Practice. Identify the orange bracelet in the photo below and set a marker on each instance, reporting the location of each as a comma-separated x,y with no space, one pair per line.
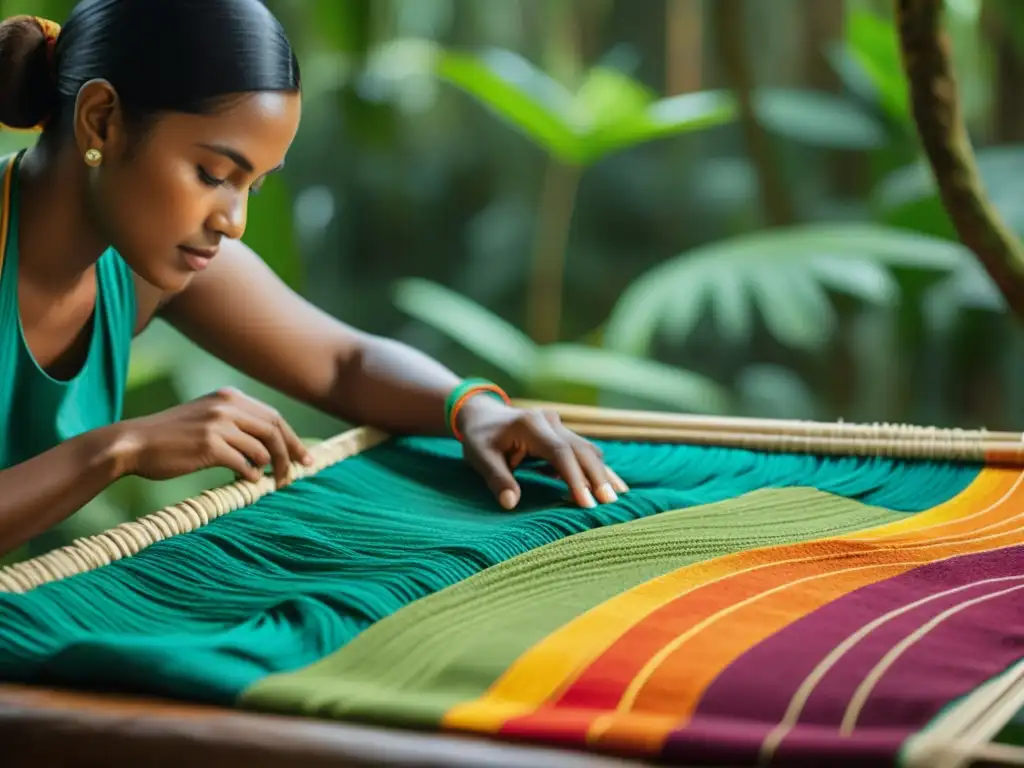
464,392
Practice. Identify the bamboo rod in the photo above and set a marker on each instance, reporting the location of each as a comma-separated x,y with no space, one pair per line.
736,424
934,448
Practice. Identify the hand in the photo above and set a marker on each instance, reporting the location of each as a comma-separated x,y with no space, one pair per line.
496,438
224,429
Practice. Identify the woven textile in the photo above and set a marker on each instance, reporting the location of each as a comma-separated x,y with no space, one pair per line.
735,606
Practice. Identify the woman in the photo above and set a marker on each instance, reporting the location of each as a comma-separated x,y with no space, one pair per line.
159,119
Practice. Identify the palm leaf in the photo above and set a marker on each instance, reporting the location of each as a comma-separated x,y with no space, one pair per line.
780,272
613,372
464,321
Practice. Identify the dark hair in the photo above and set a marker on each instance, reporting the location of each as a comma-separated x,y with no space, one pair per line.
159,55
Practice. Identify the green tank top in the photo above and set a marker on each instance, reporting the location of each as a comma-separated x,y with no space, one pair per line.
37,411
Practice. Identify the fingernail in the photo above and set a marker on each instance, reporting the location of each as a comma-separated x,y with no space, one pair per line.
588,499
507,499
606,494
620,484
307,460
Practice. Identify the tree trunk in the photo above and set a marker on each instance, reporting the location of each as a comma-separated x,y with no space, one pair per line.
940,126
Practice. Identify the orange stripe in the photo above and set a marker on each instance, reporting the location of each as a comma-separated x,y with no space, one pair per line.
550,666
675,679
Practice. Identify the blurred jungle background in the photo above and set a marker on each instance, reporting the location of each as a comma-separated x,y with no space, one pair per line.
565,196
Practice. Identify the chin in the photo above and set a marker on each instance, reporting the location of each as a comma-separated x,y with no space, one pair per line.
168,277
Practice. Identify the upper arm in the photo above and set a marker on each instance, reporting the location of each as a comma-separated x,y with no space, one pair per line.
241,312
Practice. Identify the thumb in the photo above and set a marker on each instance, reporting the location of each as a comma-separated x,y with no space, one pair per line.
496,473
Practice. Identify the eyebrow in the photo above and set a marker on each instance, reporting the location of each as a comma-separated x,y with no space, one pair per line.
237,157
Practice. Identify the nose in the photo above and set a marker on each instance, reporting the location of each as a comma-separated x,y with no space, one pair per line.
229,219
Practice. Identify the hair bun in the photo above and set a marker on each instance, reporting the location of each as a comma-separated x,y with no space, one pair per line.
27,84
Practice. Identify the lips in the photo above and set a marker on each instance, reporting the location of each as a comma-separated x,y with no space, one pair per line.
198,259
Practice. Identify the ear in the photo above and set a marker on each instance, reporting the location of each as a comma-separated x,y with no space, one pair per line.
98,121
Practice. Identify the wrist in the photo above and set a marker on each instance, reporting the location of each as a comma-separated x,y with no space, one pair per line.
115,452
479,406
476,396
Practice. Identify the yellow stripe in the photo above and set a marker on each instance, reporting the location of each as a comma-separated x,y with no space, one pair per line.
545,669
990,483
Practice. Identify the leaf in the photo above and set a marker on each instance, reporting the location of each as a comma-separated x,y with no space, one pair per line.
466,322
681,317
770,391
610,111
728,295
674,388
865,280
662,119
912,188
969,288
518,92
271,231
819,119
607,98
735,272
873,44
794,306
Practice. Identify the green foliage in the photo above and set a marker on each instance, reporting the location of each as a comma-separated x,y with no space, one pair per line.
818,118
610,111
784,273
907,197
535,369
270,231
872,46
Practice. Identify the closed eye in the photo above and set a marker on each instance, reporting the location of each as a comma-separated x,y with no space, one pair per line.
207,178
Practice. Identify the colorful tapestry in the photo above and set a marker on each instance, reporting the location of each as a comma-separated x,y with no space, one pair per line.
734,608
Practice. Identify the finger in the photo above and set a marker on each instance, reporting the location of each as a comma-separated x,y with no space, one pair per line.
250,447
555,421
591,458
270,435
516,457
230,458
494,468
551,447
594,469
617,482
297,450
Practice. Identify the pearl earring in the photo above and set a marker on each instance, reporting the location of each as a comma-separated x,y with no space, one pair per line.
93,157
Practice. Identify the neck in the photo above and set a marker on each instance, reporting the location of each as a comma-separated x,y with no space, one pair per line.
58,241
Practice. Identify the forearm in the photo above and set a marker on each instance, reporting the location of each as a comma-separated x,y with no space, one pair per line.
391,386
45,490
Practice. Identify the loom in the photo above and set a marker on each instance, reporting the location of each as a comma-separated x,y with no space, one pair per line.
768,593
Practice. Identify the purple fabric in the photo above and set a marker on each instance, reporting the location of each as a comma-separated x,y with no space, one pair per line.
723,741
966,649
